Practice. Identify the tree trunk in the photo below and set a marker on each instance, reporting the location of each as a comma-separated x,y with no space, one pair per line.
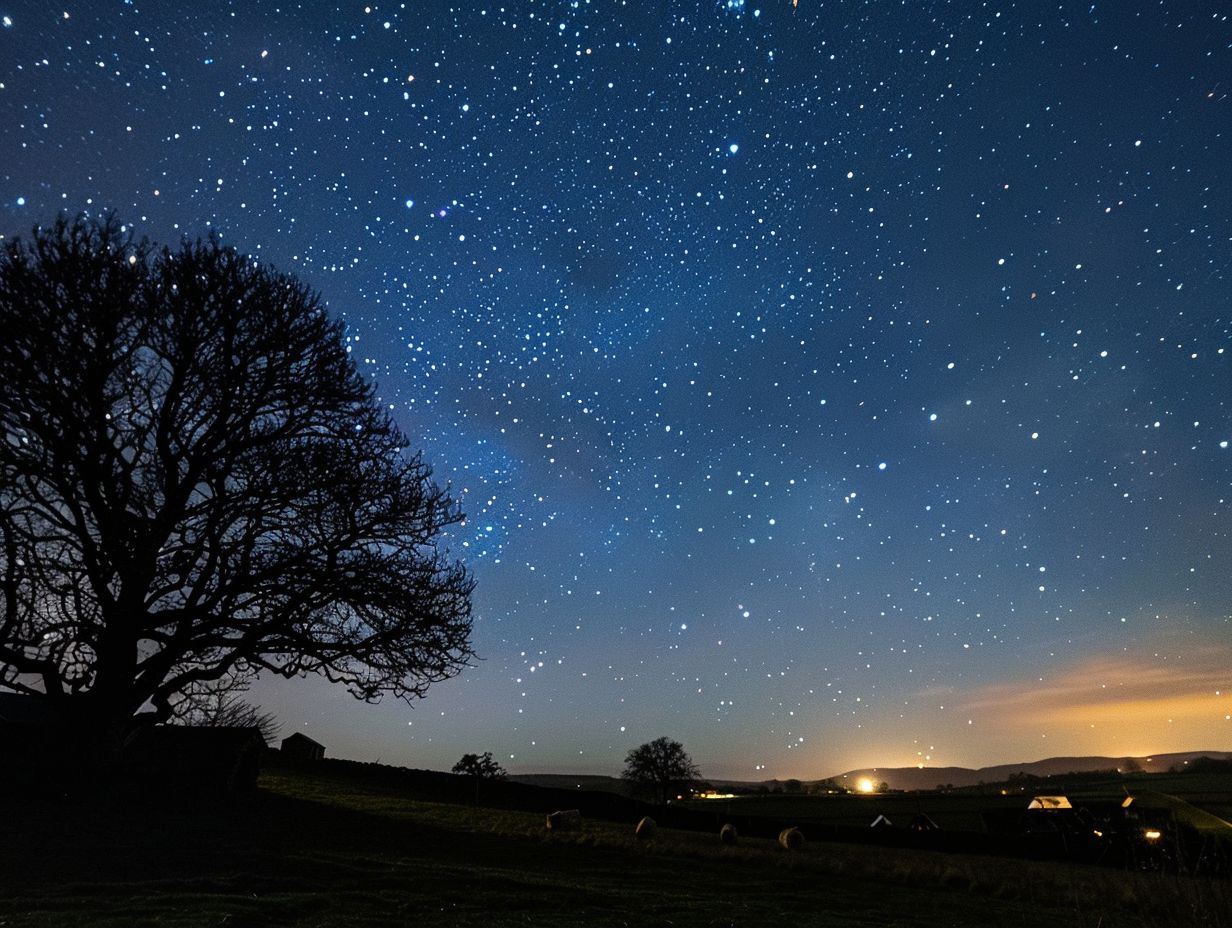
92,739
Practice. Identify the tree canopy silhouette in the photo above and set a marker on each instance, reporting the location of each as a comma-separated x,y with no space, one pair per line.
662,766
483,766
197,482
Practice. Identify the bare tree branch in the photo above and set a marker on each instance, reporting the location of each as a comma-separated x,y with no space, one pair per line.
196,481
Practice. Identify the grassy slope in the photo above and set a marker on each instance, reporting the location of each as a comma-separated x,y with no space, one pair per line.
324,851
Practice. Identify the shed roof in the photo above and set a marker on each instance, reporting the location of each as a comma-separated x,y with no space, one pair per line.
299,737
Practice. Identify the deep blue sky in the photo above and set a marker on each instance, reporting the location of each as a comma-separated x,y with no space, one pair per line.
827,385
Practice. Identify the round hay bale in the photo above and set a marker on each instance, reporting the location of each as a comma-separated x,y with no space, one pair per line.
646,828
728,835
791,839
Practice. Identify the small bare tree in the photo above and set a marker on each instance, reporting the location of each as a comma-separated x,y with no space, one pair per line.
661,766
482,766
221,704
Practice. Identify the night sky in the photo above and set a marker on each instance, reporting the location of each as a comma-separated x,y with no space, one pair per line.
827,385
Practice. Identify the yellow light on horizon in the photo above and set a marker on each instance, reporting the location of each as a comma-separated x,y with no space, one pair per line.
865,785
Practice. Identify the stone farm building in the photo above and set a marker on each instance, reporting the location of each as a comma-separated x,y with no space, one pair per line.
301,747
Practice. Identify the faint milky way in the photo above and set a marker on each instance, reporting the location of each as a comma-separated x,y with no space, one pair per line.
826,384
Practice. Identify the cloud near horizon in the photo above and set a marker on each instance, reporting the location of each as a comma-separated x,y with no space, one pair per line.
1135,702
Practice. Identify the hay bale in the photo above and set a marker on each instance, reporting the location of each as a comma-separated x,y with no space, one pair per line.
728,835
646,827
564,820
791,839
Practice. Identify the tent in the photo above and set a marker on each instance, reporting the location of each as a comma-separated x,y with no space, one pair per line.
1049,803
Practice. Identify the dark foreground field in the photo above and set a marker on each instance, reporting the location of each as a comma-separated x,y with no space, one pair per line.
312,850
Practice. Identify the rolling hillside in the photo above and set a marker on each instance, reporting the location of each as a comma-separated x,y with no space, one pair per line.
912,778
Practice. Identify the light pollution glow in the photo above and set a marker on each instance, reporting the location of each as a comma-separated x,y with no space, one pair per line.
1114,705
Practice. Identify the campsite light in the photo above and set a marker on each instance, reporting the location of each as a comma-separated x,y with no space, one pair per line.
1152,834
865,785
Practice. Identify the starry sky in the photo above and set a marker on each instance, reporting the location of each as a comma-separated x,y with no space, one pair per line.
827,384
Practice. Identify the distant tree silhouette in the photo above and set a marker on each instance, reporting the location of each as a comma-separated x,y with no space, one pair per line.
196,482
1204,764
661,766
482,766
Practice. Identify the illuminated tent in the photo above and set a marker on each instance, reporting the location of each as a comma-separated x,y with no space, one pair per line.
923,823
1049,803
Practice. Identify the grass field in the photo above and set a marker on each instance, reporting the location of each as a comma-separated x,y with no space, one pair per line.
958,812
326,850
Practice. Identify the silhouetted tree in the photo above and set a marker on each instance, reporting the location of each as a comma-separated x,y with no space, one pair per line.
196,481
830,785
481,766
661,766
220,704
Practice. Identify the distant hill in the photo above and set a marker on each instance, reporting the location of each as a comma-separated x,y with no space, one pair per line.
907,778
932,777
